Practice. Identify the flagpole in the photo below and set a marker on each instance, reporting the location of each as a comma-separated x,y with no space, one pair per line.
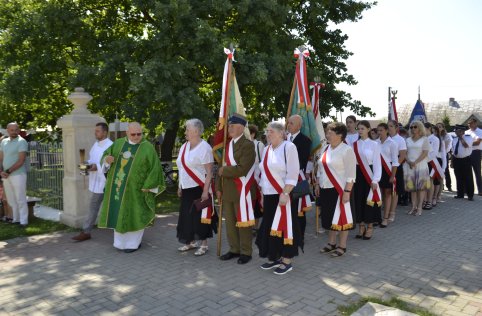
225,136
389,105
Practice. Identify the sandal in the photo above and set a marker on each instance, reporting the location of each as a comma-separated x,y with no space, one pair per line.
328,248
428,206
201,251
187,247
369,229
419,213
412,211
338,253
385,219
391,218
362,232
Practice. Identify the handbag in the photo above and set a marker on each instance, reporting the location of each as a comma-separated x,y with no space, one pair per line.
301,189
200,205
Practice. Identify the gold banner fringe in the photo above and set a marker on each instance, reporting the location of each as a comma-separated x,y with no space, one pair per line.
276,233
288,241
341,227
245,224
205,221
336,227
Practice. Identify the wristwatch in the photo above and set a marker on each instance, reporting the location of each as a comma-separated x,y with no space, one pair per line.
7,171
347,190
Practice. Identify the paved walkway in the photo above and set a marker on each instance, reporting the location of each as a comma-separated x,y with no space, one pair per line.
433,261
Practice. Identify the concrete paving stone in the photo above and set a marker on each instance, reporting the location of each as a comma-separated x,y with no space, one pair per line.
430,265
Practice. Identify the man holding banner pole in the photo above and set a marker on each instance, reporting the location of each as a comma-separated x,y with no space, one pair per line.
235,190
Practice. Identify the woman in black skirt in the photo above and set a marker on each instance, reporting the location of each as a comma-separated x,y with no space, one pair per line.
279,235
336,175
368,172
389,155
195,162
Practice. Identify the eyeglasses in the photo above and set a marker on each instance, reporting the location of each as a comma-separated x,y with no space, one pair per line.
412,127
136,134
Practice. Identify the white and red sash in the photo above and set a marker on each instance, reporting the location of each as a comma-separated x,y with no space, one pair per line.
257,178
282,223
437,171
245,216
374,195
387,166
199,178
342,219
304,203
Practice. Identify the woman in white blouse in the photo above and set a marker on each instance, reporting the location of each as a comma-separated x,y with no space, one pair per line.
336,175
437,150
389,153
415,170
447,141
279,235
195,162
441,156
352,134
367,193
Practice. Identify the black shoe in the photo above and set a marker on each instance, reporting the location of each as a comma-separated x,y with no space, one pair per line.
458,197
132,250
470,198
243,259
229,256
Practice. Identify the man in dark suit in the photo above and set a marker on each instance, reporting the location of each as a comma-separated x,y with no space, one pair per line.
303,145
228,191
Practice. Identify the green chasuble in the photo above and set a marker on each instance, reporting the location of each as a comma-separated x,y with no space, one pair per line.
126,208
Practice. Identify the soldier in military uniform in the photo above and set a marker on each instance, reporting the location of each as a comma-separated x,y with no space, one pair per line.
235,186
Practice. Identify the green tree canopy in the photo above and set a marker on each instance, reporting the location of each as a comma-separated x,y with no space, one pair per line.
159,61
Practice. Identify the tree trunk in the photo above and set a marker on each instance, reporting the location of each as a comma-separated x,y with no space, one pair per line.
169,142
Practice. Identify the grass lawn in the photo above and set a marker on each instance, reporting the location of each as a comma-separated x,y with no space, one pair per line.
166,203
35,226
393,302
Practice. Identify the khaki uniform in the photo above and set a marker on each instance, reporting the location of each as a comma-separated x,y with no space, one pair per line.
239,238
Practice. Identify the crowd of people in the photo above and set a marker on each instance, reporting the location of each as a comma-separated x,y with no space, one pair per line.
357,179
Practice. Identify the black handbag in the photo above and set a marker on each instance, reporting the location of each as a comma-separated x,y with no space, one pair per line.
200,205
301,189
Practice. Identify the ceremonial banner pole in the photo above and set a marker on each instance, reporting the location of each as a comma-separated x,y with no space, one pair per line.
224,110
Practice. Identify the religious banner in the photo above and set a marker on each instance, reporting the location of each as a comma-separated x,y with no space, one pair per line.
231,102
418,113
315,102
300,101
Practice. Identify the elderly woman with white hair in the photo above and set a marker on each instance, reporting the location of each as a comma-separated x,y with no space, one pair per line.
195,162
279,235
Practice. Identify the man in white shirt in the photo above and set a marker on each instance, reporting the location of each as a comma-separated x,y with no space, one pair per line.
96,179
462,149
476,134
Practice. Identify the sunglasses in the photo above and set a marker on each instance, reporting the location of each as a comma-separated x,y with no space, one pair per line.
136,134
412,127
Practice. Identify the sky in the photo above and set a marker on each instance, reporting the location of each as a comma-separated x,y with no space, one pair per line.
403,44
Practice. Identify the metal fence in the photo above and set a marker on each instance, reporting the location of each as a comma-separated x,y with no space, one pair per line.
44,177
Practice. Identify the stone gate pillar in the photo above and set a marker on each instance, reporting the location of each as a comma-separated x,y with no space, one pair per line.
77,134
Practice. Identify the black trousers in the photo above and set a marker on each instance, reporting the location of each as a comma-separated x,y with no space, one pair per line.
463,175
475,161
448,179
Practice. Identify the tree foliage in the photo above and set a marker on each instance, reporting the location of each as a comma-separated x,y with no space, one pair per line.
160,61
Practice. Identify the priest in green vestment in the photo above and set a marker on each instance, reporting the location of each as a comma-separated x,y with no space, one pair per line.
134,179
